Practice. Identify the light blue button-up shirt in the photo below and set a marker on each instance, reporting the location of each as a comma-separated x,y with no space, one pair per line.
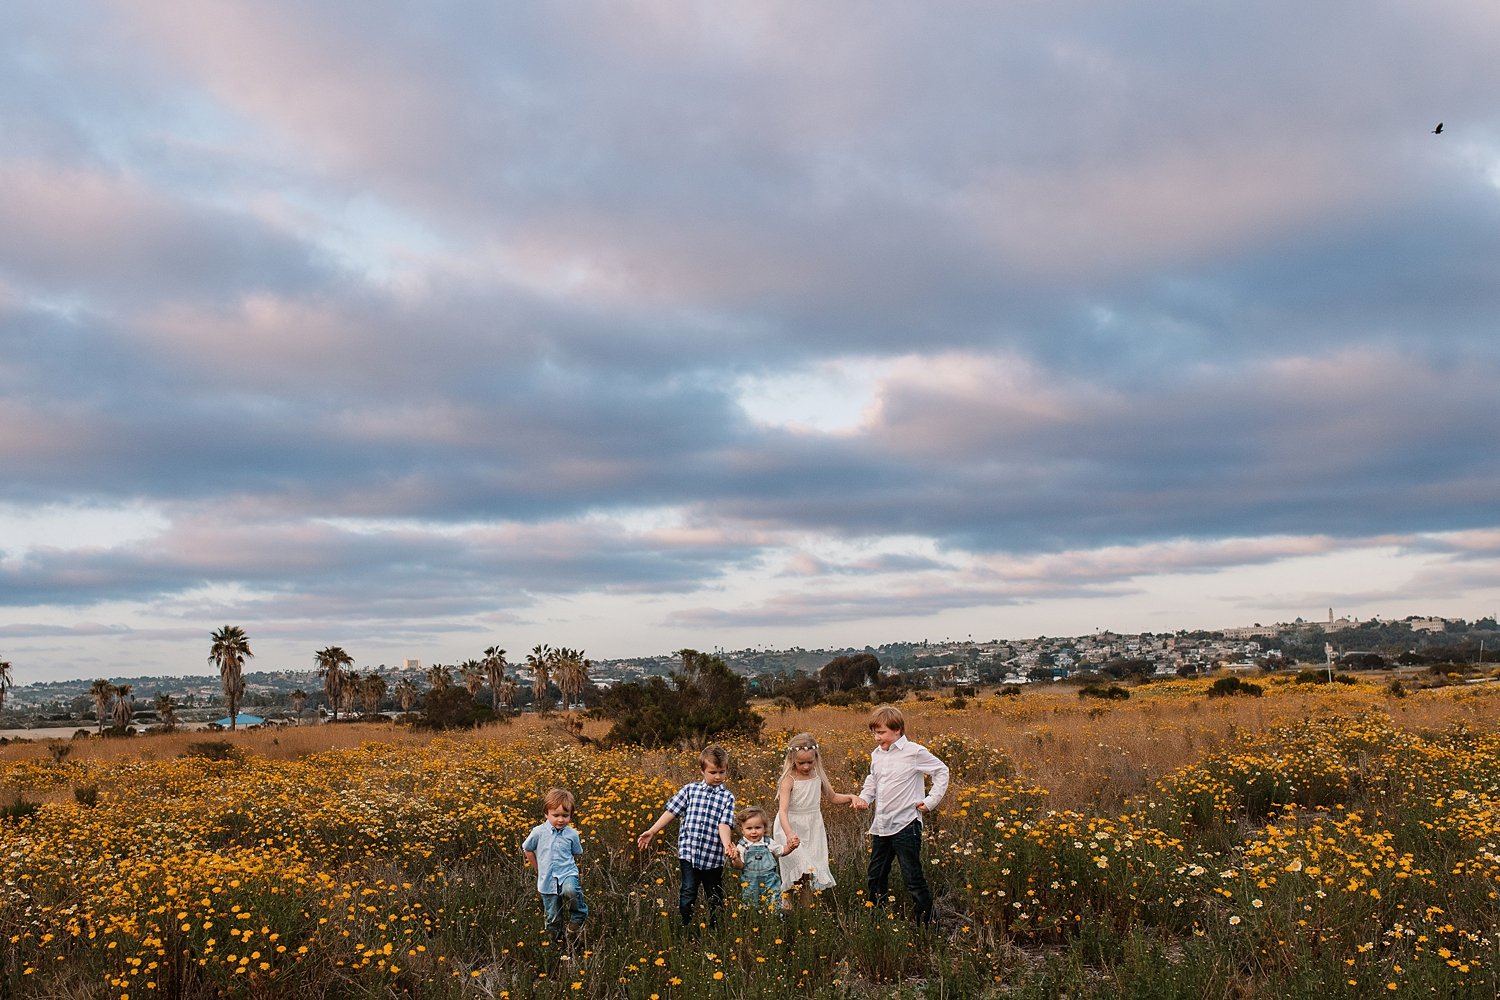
555,852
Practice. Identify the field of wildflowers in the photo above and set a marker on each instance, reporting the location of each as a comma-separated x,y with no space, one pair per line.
1333,843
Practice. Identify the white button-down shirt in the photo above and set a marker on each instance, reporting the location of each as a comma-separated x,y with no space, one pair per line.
897,783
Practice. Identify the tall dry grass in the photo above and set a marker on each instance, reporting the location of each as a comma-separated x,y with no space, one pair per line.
1095,755
1086,753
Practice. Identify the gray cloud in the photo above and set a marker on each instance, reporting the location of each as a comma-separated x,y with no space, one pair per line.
491,278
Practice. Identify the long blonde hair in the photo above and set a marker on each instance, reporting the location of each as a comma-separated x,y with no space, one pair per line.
804,743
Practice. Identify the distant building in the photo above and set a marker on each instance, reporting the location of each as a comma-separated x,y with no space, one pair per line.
411,664
1252,632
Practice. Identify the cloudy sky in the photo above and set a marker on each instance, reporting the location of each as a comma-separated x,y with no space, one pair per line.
418,328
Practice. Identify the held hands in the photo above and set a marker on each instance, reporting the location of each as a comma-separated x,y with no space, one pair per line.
858,804
791,843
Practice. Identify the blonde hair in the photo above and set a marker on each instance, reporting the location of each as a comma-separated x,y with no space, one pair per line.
804,743
890,717
556,797
753,812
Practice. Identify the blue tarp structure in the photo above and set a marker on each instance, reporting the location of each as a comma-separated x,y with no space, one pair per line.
241,719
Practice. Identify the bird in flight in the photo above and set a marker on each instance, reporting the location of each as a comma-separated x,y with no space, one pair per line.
1438,130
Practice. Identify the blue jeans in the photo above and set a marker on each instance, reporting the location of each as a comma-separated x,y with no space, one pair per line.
566,902
904,847
711,880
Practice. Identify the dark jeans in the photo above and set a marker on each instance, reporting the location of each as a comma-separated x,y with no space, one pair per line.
711,880
905,848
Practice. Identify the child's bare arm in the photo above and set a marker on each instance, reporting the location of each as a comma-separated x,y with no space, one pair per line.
531,859
726,837
644,840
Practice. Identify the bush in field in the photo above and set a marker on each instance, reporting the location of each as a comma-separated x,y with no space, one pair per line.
214,750
451,708
1314,676
705,701
1227,686
1112,692
849,673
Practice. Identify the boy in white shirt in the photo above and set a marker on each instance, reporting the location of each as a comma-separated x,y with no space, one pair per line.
898,791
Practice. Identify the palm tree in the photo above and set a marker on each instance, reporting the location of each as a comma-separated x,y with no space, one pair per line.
166,710
371,690
349,693
539,661
123,708
229,650
298,699
572,675
439,677
102,691
494,668
5,680
472,671
331,663
406,694
507,693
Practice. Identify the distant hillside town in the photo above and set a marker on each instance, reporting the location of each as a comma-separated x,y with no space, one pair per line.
300,695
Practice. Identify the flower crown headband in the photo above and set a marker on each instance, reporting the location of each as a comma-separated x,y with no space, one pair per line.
793,748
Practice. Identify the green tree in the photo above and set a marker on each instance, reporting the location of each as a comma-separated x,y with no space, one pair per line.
102,692
705,700
331,662
124,707
299,699
166,710
449,707
406,694
572,675
846,673
494,668
371,690
230,648
472,672
539,661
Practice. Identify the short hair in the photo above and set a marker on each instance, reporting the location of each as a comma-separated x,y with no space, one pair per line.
715,755
890,717
750,812
557,797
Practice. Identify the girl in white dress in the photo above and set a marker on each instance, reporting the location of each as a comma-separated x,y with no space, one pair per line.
799,820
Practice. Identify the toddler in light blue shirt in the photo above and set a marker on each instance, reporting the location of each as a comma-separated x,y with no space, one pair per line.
553,849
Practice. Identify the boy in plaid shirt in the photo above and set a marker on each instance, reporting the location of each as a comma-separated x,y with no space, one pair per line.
706,836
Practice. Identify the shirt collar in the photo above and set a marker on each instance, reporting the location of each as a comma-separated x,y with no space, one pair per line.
899,744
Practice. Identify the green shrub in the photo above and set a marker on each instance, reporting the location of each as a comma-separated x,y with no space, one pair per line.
1227,686
705,701
214,750
1112,692
19,809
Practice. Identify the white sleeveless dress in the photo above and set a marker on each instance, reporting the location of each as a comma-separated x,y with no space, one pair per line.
805,811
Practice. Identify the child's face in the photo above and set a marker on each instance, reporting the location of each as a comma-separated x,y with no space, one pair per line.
884,735
714,775
559,816
803,761
753,828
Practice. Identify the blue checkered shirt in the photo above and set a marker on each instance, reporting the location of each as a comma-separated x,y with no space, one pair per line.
700,808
